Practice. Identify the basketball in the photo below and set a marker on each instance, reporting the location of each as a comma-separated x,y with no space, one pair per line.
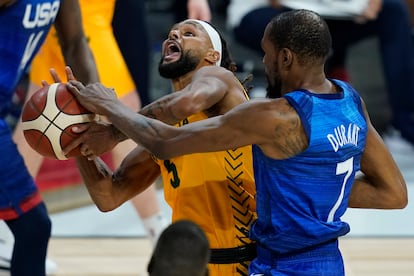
47,119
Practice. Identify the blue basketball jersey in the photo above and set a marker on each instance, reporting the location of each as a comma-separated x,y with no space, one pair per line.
23,28
300,200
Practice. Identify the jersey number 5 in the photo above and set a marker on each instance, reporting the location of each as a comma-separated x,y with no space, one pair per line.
171,168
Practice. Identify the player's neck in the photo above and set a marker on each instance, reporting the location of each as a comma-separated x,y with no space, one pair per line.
183,81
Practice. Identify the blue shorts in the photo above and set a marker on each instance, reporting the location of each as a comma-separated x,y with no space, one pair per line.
324,260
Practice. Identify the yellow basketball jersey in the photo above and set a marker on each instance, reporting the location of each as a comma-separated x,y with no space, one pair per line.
215,190
97,19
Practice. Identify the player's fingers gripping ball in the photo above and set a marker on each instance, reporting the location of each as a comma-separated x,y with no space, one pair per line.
47,119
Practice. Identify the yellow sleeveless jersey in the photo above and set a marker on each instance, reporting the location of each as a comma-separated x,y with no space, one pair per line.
215,190
97,20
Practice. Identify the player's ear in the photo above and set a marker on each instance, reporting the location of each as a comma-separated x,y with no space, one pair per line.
213,56
286,57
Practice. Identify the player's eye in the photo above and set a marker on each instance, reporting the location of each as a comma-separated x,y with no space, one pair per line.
189,34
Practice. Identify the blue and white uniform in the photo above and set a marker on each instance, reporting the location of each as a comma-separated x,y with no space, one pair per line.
23,28
300,200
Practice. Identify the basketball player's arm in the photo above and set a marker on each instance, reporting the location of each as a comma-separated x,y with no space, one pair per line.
208,87
381,184
108,189
75,48
6,3
253,122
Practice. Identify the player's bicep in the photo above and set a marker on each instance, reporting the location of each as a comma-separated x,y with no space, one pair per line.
200,95
236,128
196,97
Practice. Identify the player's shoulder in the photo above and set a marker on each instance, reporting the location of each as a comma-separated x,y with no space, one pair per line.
212,70
218,73
265,104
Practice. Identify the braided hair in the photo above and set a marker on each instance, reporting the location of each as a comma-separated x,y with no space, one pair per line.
228,62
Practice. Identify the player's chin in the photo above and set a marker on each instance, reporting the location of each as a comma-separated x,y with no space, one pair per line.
171,59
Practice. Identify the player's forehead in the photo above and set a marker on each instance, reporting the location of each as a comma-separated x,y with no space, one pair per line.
188,24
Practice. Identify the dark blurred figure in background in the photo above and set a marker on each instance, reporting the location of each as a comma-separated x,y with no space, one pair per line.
388,20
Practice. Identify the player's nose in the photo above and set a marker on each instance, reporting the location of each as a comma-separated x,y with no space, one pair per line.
173,34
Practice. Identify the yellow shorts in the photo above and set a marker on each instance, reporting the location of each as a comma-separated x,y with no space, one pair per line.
228,269
112,69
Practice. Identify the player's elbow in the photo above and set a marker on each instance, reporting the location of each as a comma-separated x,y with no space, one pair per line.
160,146
161,151
105,209
397,202
404,203
398,197
105,206
401,201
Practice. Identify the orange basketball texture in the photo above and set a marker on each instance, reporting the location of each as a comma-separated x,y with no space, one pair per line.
47,119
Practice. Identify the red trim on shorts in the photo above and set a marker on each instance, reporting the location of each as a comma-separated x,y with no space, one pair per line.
25,206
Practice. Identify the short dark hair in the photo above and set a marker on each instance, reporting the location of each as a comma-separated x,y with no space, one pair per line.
182,250
303,32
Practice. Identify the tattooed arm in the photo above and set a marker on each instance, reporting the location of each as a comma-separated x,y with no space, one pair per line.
209,89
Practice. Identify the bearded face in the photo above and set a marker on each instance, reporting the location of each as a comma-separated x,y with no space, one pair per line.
273,91
185,64
274,84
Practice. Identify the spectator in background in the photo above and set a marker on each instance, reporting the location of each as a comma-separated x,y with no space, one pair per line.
193,9
134,43
390,23
386,19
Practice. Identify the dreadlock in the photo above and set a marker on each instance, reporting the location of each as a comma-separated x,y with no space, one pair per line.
228,62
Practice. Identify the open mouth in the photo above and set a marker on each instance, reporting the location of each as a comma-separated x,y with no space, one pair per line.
172,51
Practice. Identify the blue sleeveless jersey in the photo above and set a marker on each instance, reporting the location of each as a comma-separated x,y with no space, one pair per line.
300,200
23,28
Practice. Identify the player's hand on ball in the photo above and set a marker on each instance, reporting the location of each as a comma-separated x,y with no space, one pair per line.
94,97
94,139
48,117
